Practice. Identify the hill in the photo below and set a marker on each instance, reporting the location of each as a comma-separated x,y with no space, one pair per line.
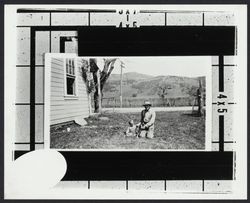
136,85
129,76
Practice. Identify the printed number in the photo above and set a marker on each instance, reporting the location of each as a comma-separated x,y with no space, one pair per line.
221,96
219,103
222,110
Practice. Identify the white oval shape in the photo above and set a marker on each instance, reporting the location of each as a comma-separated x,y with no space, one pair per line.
38,170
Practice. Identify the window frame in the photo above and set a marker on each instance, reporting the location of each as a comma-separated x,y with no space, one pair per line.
66,95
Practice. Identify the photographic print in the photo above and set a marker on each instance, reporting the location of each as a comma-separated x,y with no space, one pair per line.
120,103
125,101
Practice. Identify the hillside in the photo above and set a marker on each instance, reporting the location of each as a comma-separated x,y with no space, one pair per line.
129,76
136,85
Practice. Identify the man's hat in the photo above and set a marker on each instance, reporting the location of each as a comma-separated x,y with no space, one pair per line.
147,103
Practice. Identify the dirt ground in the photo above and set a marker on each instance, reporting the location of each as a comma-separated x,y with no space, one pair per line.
173,130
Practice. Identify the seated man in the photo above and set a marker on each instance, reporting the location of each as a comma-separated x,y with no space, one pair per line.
146,125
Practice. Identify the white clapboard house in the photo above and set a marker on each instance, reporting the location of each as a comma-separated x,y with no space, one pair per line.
66,94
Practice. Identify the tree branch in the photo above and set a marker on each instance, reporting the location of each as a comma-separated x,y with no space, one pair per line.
105,76
106,66
93,65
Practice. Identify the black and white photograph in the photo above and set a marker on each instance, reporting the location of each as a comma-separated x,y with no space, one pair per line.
131,103
128,101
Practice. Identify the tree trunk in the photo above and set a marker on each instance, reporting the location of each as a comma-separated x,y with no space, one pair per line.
100,79
97,94
96,102
199,113
89,101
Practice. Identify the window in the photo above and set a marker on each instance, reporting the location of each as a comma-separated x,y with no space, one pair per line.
70,77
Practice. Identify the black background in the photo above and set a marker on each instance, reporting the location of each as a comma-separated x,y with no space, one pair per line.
156,41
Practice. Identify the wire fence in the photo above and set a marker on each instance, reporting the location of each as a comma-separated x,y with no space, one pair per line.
113,102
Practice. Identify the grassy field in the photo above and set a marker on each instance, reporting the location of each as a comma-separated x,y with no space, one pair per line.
173,130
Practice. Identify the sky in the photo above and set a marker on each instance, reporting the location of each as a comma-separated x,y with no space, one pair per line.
186,66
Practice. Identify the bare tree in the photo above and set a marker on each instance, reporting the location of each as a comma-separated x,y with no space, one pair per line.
162,91
100,78
196,92
192,91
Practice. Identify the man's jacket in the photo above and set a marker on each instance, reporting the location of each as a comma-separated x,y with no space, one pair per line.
147,117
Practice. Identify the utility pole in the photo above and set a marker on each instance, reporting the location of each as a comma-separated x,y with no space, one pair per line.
99,92
122,66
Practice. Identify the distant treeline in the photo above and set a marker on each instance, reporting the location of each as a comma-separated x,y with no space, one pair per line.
157,102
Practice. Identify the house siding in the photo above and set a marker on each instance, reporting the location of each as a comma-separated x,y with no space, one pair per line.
63,109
